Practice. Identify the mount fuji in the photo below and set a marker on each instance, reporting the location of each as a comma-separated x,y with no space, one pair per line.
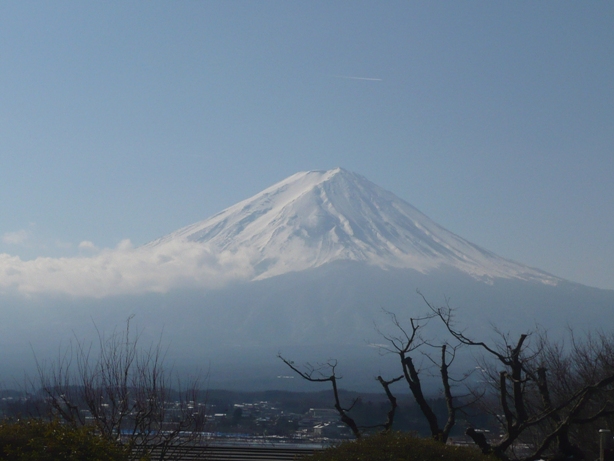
314,218
309,263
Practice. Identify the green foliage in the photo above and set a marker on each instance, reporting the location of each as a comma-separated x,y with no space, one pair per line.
35,439
397,446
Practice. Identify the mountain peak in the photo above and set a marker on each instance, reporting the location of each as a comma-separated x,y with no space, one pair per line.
316,217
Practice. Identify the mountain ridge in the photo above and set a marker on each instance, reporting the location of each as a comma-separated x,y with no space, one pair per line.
315,217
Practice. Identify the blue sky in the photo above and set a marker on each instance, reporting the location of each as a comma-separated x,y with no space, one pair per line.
128,120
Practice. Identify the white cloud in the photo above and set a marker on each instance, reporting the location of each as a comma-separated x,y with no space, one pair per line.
87,245
19,237
123,270
124,245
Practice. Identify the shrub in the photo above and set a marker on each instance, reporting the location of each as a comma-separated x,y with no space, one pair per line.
396,446
35,439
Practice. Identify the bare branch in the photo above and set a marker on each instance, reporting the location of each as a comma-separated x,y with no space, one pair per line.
332,378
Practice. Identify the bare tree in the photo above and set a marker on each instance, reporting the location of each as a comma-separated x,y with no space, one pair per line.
549,397
581,364
318,375
125,391
545,391
403,344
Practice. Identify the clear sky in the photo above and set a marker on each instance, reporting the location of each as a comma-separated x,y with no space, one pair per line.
130,119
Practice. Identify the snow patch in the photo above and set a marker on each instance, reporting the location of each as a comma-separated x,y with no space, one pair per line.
317,217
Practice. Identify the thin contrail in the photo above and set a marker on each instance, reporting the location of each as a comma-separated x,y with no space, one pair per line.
359,78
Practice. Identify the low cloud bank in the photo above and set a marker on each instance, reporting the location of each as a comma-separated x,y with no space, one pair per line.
124,270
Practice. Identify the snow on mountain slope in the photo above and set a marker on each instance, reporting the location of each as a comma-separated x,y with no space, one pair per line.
316,217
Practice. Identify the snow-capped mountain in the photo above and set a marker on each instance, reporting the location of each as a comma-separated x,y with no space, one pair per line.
304,268
317,217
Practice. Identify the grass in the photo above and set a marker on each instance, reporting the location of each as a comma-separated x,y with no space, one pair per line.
397,446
